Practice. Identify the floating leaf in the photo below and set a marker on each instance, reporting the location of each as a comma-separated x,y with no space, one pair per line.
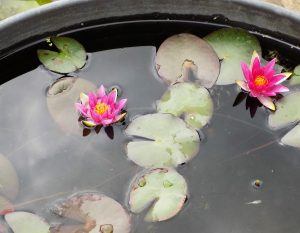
183,54
164,190
233,46
190,100
98,213
295,79
9,182
292,138
61,98
12,7
5,206
71,55
168,141
23,222
287,113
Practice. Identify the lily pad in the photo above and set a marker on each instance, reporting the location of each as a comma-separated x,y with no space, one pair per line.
24,222
70,57
181,55
233,46
163,189
287,113
292,138
9,182
98,213
167,141
190,100
61,98
295,79
12,7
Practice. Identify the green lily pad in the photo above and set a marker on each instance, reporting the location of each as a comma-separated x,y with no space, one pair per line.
233,46
168,141
295,79
5,206
98,214
9,182
42,2
191,101
12,7
61,98
181,55
292,138
287,113
70,57
163,189
23,222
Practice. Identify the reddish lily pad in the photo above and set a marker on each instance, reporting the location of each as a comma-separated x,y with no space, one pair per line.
61,99
70,57
292,138
233,46
9,182
180,55
287,113
163,189
98,213
24,222
190,100
168,141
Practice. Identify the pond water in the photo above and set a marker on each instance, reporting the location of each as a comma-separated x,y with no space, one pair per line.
53,160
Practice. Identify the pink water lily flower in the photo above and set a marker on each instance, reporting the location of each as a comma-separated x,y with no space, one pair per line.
262,82
100,108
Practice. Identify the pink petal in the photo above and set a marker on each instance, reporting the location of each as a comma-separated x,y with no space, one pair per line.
279,89
277,79
121,104
83,98
96,117
106,122
243,85
112,96
267,102
269,67
255,59
101,91
246,72
92,99
81,108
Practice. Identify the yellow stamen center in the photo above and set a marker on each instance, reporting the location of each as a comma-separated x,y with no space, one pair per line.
101,108
260,81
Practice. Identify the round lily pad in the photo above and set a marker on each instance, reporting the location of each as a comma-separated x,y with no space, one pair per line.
295,79
98,213
167,141
9,182
24,222
233,46
184,55
190,100
163,189
12,7
287,113
70,57
61,98
292,138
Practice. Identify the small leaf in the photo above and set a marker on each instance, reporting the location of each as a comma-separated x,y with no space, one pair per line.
184,55
168,141
23,222
71,55
233,46
190,100
86,132
165,191
109,130
240,98
98,129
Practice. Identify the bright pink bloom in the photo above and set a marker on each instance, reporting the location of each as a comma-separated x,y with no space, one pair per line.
100,108
262,82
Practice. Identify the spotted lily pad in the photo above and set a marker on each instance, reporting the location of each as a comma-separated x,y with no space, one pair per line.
70,57
233,46
287,113
9,182
295,79
61,98
167,141
190,100
23,222
98,213
163,189
181,55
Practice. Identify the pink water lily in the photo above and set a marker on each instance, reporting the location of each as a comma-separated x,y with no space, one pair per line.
100,108
262,82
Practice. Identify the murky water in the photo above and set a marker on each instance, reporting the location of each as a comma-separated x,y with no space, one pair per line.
53,163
